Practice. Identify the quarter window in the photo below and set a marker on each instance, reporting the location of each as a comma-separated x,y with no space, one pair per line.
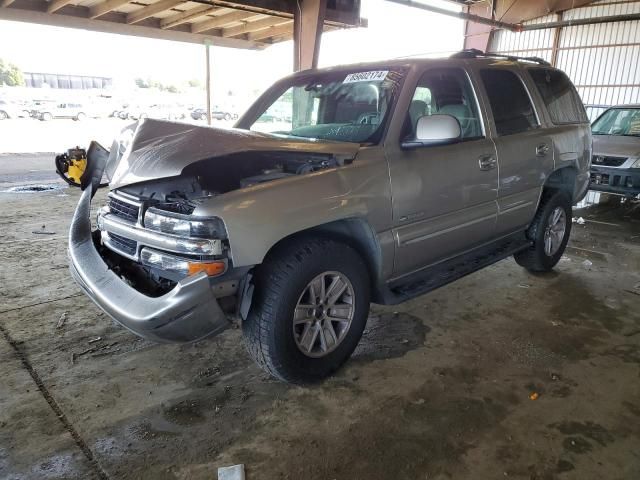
445,91
512,108
559,95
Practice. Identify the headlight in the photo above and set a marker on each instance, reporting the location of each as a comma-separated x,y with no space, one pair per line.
636,164
183,225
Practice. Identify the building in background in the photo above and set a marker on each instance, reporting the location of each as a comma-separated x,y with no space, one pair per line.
67,82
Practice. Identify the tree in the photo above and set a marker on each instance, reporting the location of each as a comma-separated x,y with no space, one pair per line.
10,75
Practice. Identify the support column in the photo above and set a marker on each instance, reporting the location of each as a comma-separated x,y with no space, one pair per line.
556,42
207,46
478,35
308,21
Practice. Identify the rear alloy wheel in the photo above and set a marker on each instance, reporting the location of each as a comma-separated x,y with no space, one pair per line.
227,116
549,233
81,116
3,115
309,308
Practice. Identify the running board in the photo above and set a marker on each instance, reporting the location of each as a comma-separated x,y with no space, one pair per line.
436,276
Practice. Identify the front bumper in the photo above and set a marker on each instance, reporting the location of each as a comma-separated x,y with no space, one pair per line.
187,313
621,181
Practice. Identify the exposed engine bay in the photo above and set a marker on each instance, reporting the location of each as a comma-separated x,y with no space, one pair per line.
212,177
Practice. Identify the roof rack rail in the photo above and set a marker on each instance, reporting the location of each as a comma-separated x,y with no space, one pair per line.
475,53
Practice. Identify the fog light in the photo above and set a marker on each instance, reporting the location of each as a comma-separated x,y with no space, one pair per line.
184,266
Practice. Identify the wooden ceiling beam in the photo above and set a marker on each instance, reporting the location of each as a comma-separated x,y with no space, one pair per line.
151,10
254,26
190,15
56,5
105,7
280,30
221,21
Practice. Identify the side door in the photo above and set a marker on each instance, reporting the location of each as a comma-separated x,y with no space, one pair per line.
444,197
525,148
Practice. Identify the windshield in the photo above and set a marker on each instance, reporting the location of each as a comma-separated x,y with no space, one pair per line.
346,107
618,121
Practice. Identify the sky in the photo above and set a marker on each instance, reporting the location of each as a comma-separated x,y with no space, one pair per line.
393,31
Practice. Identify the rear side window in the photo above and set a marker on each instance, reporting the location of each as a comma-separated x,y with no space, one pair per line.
510,102
559,95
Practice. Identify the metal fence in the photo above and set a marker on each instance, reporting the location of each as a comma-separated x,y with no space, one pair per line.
602,60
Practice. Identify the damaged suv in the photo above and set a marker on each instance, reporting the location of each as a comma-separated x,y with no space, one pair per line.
339,187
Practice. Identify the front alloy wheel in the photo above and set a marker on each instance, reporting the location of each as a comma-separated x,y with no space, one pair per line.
323,314
309,308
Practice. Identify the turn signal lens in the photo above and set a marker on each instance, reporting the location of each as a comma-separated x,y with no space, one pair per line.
181,265
210,268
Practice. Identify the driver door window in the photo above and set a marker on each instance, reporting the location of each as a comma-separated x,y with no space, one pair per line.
445,91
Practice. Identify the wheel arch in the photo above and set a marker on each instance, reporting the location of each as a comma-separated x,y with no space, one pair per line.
354,232
563,179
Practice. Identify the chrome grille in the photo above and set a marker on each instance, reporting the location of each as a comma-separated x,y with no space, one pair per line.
123,209
125,245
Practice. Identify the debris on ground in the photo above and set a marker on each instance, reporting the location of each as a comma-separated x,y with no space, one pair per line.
234,472
579,220
94,340
61,320
524,285
533,396
97,351
587,263
43,231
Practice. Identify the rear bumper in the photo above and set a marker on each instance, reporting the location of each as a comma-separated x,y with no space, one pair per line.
187,313
621,181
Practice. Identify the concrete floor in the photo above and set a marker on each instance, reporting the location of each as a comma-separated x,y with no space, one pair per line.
440,388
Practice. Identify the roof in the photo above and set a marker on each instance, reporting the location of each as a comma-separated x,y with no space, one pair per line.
420,61
239,23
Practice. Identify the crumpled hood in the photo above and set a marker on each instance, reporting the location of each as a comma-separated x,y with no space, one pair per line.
154,149
616,145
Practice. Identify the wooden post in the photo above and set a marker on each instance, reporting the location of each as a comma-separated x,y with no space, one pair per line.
208,57
308,21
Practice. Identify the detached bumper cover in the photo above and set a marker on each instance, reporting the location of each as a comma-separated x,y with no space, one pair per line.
187,313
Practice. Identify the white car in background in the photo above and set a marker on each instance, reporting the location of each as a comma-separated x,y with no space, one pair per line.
74,111
10,109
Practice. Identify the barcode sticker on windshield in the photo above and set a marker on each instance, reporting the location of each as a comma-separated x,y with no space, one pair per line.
376,76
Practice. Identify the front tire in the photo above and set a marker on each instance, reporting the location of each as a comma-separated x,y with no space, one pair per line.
309,309
549,233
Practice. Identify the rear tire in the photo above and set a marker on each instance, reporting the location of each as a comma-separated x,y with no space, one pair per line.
283,309
3,115
549,232
81,116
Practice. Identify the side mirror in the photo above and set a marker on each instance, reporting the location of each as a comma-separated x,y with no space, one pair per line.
439,129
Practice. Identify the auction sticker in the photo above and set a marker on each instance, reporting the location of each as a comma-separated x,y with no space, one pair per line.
375,76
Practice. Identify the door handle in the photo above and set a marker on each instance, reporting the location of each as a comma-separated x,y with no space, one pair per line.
487,162
542,150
